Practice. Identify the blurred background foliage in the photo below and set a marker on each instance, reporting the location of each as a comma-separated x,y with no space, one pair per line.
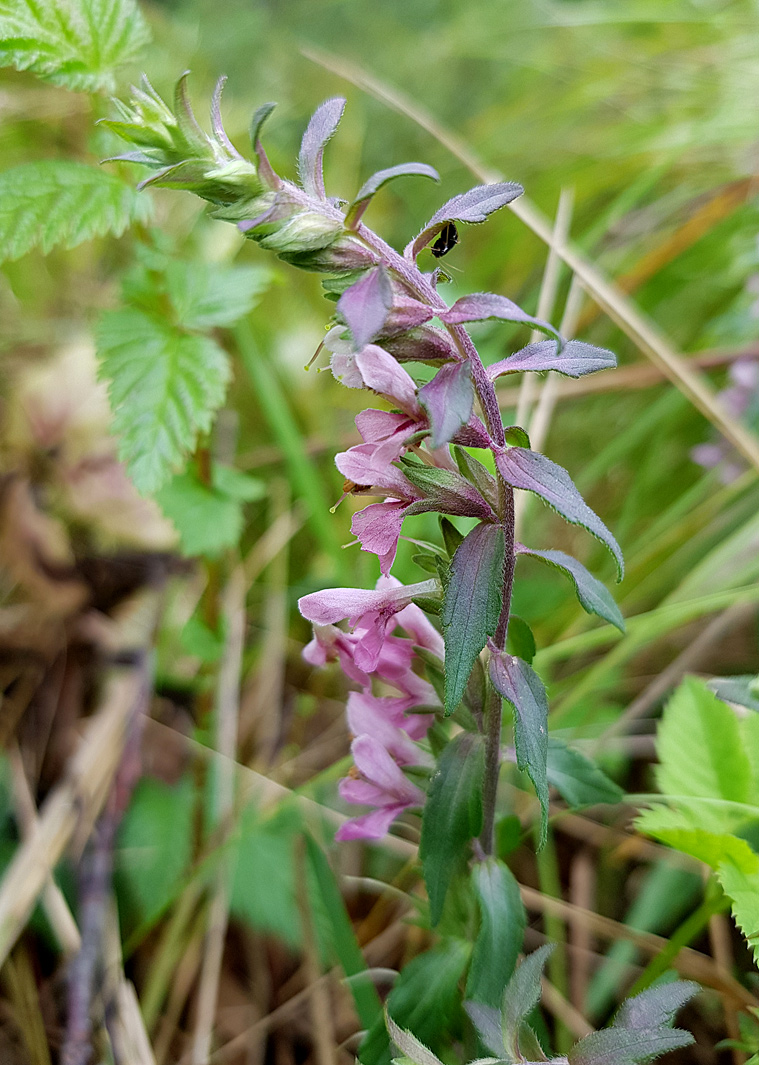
647,112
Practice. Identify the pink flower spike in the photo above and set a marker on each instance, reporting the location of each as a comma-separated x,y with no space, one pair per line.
337,604
374,825
366,717
377,425
383,785
378,527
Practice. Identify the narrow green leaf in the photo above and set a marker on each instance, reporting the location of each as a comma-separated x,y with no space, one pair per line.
521,996
365,997
518,683
75,43
499,939
472,604
165,387
452,815
60,203
451,536
577,778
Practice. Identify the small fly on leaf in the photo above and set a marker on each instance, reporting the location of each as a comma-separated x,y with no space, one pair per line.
447,238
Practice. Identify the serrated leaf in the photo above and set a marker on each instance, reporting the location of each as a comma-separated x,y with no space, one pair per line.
75,43
592,594
320,130
59,203
656,1006
208,521
365,305
448,399
424,999
743,890
676,828
573,360
380,178
479,306
452,815
236,484
164,386
471,606
520,685
534,472
701,754
409,1045
520,640
577,779
501,932
521,996
206,295
627,1046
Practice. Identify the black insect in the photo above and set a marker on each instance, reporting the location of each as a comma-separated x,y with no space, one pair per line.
448,238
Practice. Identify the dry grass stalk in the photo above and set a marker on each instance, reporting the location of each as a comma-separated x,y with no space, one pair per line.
564,1011
226,717
78,797
125,1023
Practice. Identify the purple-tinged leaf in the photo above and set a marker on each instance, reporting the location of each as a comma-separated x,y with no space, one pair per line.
473,470
405,314
364,306
472,604
520,998
522,687
499,939
656,1006
216,123
482,305
191,131
472,206
444,491
487,1021
577,779
265,171
448,399
573,360
593,596
452,815
535,473
319,132
380,178
627,1046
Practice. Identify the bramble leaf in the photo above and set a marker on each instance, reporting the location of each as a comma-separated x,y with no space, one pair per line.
591,593
471,606
522,687
499,939
164,386
452,815
448,399
208,518
535,473
62,203
206,296
75,43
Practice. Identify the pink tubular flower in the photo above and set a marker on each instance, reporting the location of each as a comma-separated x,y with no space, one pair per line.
369,612
381,784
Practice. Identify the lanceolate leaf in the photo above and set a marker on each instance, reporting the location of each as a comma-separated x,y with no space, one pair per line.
656,1006
573,360
593,596
365,305
452,815
380,178
482,305
522,687
75,43
410,1046
520,998
62,203
472,206
499,939
319,132
164,385
448,399
627,1046
471,606
534,472
577,779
